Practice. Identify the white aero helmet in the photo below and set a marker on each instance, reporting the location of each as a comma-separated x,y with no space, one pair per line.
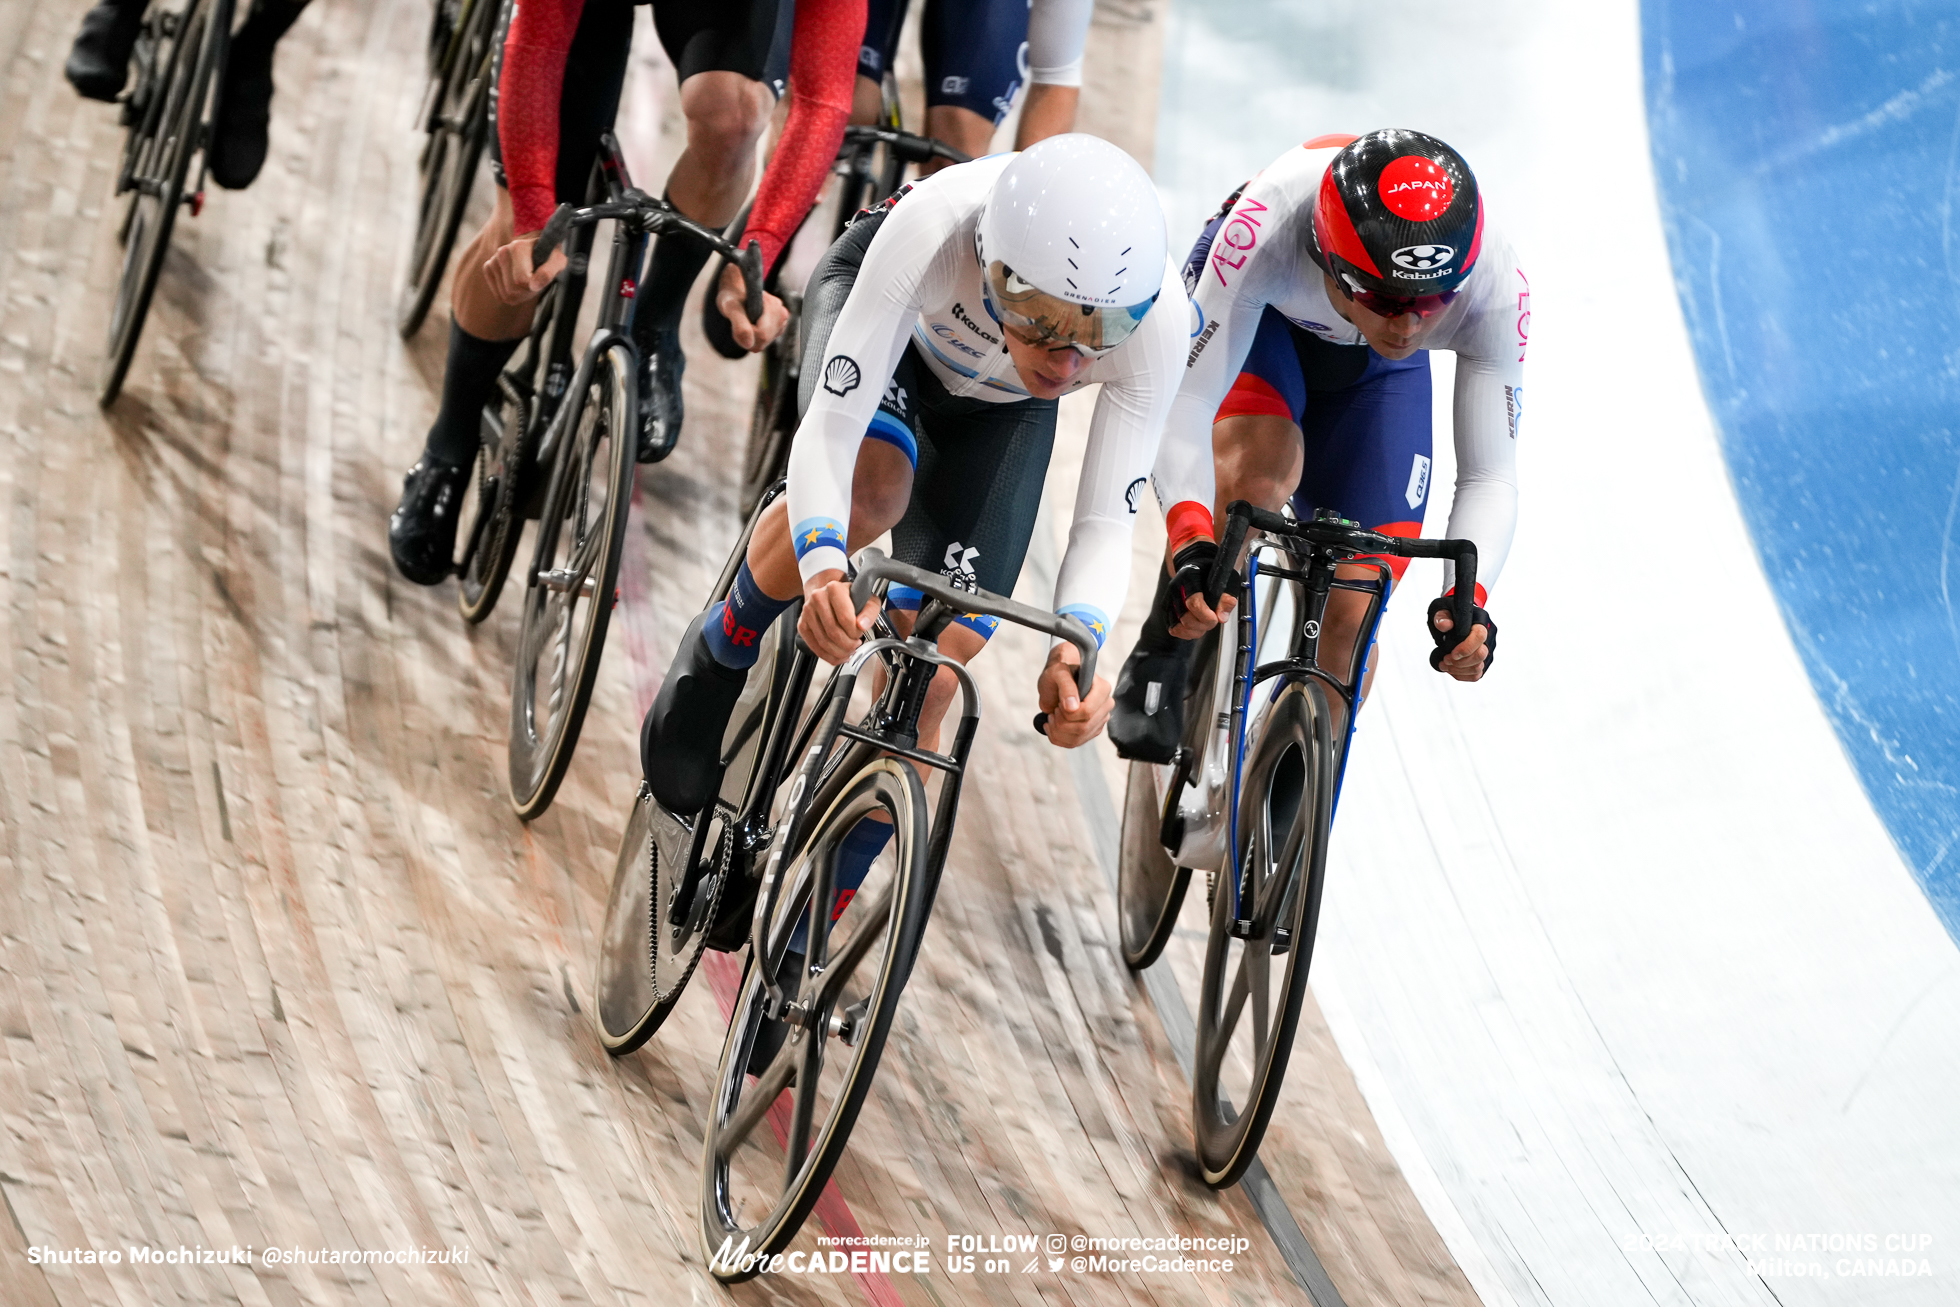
1071,244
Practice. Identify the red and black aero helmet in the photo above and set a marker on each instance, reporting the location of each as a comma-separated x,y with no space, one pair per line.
1398,215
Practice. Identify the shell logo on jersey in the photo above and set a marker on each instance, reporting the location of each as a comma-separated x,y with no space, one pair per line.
1421,258
841,375
1415,187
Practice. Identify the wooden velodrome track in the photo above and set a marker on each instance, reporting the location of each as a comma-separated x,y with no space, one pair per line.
278,967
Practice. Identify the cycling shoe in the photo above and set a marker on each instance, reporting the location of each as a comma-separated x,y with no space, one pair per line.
98,63
661,366
422,531
680,740
241,127
1147,722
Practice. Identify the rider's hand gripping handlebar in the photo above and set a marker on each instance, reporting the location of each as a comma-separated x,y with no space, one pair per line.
656,215
874,567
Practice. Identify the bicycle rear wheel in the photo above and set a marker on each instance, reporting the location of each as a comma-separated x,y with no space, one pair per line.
1253,988
572,585
773,421
488,526
156,170
1149,884
458,125
668,898
773,1140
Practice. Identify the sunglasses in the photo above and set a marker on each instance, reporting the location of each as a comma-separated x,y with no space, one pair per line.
1039,340
1389,306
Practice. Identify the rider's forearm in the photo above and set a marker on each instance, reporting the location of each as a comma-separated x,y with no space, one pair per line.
1048,111
528,91
1484,416
822,70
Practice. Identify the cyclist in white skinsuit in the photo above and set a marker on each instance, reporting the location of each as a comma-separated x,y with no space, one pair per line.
1318,288
926,339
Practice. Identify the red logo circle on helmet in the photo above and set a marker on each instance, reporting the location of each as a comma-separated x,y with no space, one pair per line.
1415,188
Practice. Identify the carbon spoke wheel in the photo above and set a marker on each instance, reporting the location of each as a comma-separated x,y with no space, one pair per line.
1253,988
156,164
458,124
774,1137
572,583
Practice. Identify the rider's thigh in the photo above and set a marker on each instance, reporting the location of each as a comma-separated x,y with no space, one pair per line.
1368,446
881,487
963,129
1256,458
975,53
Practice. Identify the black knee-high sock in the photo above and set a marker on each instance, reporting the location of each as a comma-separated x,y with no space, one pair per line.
678,257
469,380
264,25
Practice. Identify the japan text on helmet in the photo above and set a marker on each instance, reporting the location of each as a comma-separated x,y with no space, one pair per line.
1398,216
1071,242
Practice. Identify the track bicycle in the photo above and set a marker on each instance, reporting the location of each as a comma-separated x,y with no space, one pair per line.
808,1025
559,443
870,165
1249,798
178,57
455,121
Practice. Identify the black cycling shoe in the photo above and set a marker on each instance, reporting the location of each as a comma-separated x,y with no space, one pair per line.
661,366
1147,722
98,63
680,740
422,532
239,130
770,1036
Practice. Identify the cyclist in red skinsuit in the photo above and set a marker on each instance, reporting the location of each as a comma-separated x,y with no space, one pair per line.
562,67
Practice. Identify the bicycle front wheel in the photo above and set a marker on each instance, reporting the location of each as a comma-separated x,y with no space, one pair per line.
158,161
458,125
1254,986
572,584
788,1092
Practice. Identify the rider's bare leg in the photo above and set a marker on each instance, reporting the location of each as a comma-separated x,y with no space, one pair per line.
1258,458
963,129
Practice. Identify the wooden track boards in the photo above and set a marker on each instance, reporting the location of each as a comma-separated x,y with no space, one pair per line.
278,968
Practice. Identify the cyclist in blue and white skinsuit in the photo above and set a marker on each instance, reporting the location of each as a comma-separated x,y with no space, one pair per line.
1320,287
944,325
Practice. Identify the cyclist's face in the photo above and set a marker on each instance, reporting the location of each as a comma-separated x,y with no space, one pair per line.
1393,338
1045,372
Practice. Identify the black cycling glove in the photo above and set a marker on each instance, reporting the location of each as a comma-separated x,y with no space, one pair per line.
1190,573
1448,640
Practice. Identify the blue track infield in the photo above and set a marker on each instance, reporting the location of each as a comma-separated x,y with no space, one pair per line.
1806,163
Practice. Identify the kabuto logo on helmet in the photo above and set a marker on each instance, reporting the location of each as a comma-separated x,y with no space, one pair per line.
1415,187
1421,258
841,375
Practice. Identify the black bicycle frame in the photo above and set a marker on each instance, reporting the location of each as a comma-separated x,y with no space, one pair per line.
1327,542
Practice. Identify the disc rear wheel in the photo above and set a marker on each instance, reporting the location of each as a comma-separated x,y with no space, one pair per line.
1149,884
